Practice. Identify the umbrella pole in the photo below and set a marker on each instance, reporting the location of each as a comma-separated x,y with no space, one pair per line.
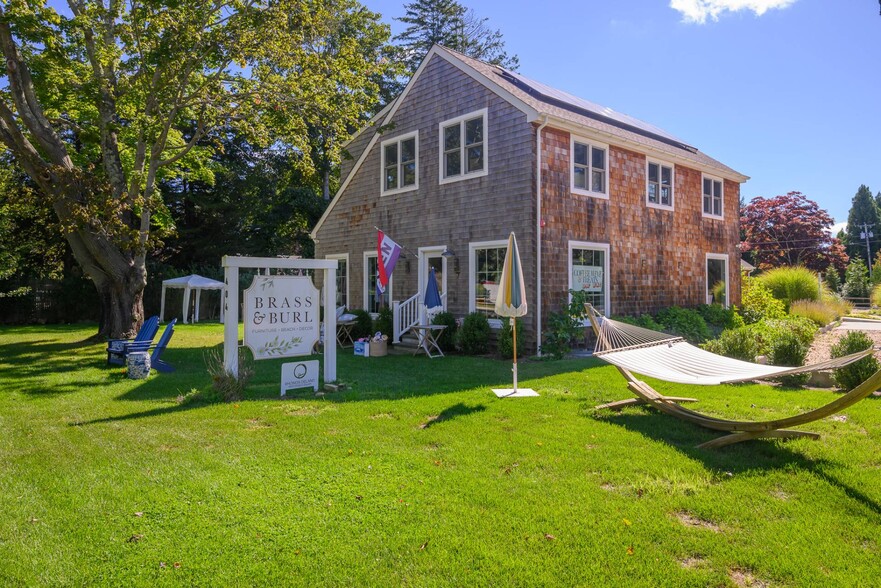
514,326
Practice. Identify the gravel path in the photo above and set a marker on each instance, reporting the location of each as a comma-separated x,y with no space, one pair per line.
820,350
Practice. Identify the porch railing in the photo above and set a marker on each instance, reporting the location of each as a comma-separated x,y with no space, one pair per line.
409,313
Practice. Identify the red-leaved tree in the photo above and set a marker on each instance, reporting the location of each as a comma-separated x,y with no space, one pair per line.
790,230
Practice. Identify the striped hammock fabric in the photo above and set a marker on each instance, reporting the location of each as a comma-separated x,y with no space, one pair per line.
672,359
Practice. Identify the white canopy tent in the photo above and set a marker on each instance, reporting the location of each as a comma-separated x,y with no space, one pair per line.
188,284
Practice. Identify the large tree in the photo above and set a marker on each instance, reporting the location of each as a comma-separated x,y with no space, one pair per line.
100,103
449,23
790,230
863,213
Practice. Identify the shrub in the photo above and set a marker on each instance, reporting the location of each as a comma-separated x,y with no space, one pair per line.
505,342
384,323
758,303
473,336
447,339
820,312
719,316
856,280
788,351
561,331
363,324
768,332
876,295
685,323
645,321
851,376
791,283
832,279
739,343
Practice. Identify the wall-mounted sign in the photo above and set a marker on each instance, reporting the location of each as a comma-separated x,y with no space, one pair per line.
301,374
587,278
281,316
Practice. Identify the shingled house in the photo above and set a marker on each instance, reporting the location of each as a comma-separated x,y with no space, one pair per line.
599,201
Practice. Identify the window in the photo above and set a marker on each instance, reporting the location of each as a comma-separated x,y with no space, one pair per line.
717,278
486,261
712,196
342,279
400,170
463,147
590,169
659,185
371,272
589,272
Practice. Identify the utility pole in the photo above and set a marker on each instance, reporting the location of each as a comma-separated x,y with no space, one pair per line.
865,234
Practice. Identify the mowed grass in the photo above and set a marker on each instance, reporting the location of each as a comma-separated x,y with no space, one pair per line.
415,475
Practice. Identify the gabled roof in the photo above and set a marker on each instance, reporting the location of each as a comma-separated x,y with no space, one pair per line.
560,109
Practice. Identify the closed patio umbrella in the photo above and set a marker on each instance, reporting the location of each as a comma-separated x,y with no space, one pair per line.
511,302
432,298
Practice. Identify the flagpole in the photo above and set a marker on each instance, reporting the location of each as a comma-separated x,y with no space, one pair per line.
401,246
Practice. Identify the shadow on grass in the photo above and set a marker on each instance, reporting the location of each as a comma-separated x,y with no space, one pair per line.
753,455
452,412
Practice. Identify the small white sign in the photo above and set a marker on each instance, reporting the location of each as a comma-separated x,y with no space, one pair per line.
587,278
300,374
281,316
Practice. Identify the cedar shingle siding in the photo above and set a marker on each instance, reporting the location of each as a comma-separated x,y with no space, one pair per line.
657,258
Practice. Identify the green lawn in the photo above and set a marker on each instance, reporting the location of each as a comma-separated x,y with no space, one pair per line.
415,475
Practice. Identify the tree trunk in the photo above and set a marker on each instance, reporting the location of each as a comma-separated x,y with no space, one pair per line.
122,309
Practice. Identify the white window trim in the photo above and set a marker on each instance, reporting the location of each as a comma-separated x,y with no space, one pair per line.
366,286
658,205
591,143
472,274
723,257
398,140
440,147
343,257
722,207
607,300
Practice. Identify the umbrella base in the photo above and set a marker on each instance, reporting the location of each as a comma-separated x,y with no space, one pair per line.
511,393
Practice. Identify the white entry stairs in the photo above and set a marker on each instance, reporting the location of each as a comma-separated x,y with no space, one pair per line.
409,313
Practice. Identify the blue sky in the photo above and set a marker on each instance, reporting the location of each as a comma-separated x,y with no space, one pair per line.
789,97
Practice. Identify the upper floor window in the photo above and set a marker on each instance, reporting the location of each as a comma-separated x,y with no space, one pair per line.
463,147
590,168
400,169
713,196
659,185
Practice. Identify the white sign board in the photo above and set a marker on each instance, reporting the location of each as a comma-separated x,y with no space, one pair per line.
281,316
587,278
302,374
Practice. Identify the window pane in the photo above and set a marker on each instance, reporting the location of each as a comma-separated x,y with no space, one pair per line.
580,154
708,186
408,177
708,204
588,275
666,176
451,137
653,192
372,304
599,158
665,196
717,189
391,177
391,154
341,283
717,207
653,172
717,281
408,150
580,178
599,181
474,131
452,165
475,158
488,264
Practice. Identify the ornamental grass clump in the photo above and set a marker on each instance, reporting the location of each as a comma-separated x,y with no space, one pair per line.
820,312
230,387
789,284
851,376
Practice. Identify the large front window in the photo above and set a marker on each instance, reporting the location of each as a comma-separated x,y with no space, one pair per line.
717,278
463,147
399,163
713,196
487,260
589,272
590,169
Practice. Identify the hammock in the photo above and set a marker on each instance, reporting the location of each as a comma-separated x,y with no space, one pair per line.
635,349
672,359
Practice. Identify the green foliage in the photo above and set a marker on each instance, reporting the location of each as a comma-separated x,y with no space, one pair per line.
645,321
832,279
788,350
863,210
851,376
822,313
363,324
856,280
505,342
447,339
876,296
684,322
473,336
565,328
739,343
788,284
758,303
384,323
718,316
230,387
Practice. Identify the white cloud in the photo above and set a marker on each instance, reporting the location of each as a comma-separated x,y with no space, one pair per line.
698,11
833,230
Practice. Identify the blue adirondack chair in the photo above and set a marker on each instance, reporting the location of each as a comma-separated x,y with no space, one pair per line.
156,361
118,349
